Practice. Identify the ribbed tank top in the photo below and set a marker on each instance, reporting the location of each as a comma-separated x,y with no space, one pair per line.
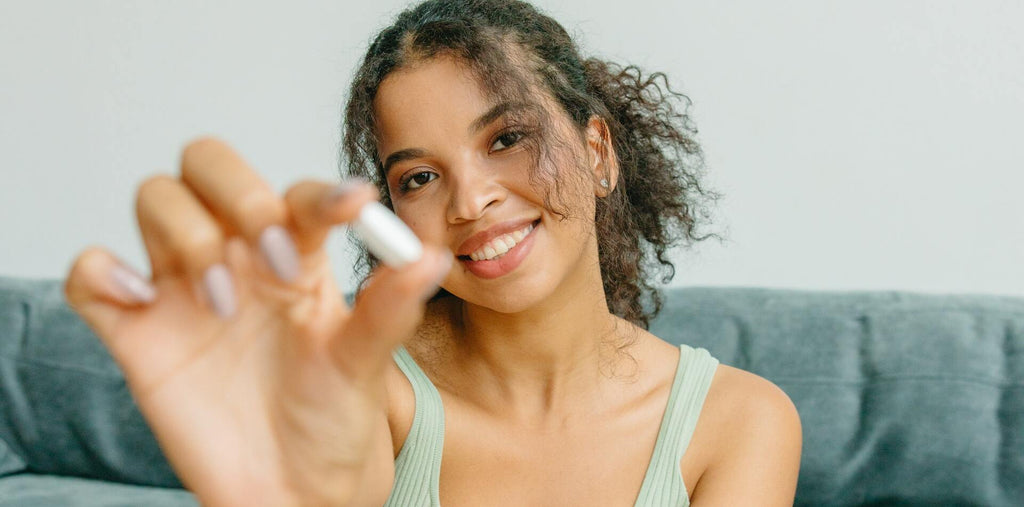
418,465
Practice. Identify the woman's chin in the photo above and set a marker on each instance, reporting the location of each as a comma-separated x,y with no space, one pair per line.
507,301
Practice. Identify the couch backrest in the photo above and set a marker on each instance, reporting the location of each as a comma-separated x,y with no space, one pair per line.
904,398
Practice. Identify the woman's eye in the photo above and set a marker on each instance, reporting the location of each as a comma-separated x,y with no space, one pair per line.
419,179
506,140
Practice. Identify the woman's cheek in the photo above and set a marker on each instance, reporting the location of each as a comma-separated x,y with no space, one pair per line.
420,224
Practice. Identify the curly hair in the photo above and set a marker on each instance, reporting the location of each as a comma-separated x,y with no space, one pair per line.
515,51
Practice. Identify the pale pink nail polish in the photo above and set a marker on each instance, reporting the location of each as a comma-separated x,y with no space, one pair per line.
220,289
279,250
136,287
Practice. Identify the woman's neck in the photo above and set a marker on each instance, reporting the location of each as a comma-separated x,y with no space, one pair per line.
541,366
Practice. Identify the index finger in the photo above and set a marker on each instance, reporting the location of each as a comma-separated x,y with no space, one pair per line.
232,191
315,207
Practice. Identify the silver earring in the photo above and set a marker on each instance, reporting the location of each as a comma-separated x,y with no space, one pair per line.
604,183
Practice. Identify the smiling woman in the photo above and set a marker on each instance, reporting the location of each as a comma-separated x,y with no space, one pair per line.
539,92
511,365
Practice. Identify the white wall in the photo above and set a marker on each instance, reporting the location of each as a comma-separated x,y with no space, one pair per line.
859,145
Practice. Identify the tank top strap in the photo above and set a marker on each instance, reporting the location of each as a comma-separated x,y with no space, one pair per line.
663,484
418,465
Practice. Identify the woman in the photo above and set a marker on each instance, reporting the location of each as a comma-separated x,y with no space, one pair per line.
557,184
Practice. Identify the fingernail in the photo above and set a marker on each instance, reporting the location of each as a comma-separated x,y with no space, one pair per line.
343,189
220,290
279,250
135,287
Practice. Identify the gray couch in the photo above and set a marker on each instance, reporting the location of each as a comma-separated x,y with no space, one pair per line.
906,399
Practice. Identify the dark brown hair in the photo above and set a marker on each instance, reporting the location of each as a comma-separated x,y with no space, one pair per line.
515,51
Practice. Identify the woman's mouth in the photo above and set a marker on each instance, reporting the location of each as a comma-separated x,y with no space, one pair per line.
501,255
499,246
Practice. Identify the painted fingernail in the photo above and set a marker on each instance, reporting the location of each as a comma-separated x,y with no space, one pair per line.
279,250
135,287
220,290
343,189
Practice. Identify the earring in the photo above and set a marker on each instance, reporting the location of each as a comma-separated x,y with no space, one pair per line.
604,183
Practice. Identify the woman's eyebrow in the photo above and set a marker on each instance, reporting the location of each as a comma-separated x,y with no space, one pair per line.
402,155
494,113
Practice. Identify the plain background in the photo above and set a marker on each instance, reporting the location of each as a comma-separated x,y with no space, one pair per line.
858,145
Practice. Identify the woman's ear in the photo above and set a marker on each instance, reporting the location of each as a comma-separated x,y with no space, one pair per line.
604,165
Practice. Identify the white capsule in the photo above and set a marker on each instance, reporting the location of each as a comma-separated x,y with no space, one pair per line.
386,236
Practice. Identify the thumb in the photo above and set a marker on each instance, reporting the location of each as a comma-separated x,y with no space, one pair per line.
102,290
387,312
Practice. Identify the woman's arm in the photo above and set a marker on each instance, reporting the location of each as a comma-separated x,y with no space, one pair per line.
758,459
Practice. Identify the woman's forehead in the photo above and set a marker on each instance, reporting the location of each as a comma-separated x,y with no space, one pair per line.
440,94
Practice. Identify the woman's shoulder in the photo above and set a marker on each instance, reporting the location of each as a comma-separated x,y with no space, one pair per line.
740,398
750,434
748,404
746,426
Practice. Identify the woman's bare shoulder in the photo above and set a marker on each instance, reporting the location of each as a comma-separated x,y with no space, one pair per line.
754,430
745,393
739,400
746,446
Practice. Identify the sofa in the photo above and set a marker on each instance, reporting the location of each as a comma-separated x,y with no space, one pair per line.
905,398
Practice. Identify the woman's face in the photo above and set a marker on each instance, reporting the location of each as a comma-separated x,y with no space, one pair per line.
459,174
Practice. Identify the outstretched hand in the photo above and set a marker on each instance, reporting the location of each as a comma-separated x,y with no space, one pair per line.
261,385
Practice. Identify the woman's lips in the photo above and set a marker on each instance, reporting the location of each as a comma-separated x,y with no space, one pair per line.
494,268
474,242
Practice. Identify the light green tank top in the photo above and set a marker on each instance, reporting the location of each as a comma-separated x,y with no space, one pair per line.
418,465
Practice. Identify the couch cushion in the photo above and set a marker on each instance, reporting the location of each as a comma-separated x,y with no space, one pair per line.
28,490
10,462
64,405
904,398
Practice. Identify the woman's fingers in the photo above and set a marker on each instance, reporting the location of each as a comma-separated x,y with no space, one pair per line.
186,222
391,305
182,237
243,202
316,207
387,312
101,289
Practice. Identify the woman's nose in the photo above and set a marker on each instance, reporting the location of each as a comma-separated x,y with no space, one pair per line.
472,192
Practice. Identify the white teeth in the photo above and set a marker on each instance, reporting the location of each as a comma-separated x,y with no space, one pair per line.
500,245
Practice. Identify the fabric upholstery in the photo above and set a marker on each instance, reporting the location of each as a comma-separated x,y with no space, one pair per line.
905,398
64,406
30,490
